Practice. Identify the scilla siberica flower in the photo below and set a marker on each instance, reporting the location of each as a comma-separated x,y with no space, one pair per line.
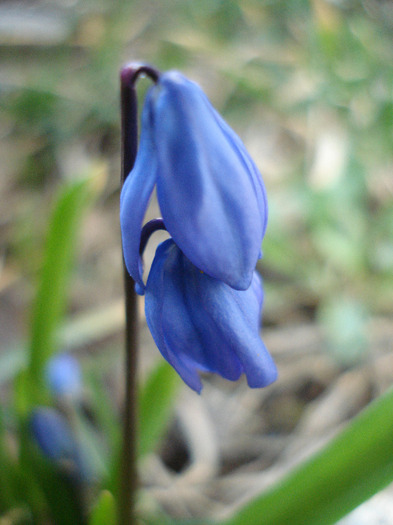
203,296
56,440
63,376
53,434
201,324
210,193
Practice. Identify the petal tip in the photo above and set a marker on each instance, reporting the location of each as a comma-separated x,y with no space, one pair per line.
263,378
140,289
241,283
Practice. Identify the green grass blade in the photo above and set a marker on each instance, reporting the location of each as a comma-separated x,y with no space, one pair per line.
155,406
354,466
104,513
63,492
50,303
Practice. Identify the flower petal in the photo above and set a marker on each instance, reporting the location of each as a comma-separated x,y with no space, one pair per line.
236,316
251,169
154,304
209,199
52,433
187,327
135,196
63,375
202,324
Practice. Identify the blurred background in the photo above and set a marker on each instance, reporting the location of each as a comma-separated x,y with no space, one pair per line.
308,86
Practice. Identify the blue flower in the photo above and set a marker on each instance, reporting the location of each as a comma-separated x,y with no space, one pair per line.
63,375
210,193
201,324
53,434
57,442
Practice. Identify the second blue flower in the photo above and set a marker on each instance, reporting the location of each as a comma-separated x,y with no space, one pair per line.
210,193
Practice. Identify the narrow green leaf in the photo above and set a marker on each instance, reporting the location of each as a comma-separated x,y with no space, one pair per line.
155,406
49,488
50,302
31,490
104,513
63,492
354,466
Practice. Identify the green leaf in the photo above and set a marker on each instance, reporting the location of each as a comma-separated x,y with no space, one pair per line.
36,474
51,298
104,513
155,406
63,492
350,469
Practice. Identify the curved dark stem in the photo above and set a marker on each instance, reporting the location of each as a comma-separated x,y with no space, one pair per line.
129,74
147,231
129,126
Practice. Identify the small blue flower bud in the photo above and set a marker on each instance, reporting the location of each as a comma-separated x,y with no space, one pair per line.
63,375
53,434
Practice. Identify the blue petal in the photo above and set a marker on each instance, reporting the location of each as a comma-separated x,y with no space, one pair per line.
187,328
53,434
251,169
154,303
236,317
207,187
63,375
135,196
201,324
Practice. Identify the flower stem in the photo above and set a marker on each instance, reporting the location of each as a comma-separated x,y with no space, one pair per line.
129,129
148,230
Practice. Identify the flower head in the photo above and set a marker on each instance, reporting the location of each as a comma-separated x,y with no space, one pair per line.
210,193
57,441
53,434
63,375
201,324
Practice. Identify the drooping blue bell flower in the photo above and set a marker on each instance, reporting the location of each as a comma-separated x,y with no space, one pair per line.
53,434
63,375
210,193
57,442
201,324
